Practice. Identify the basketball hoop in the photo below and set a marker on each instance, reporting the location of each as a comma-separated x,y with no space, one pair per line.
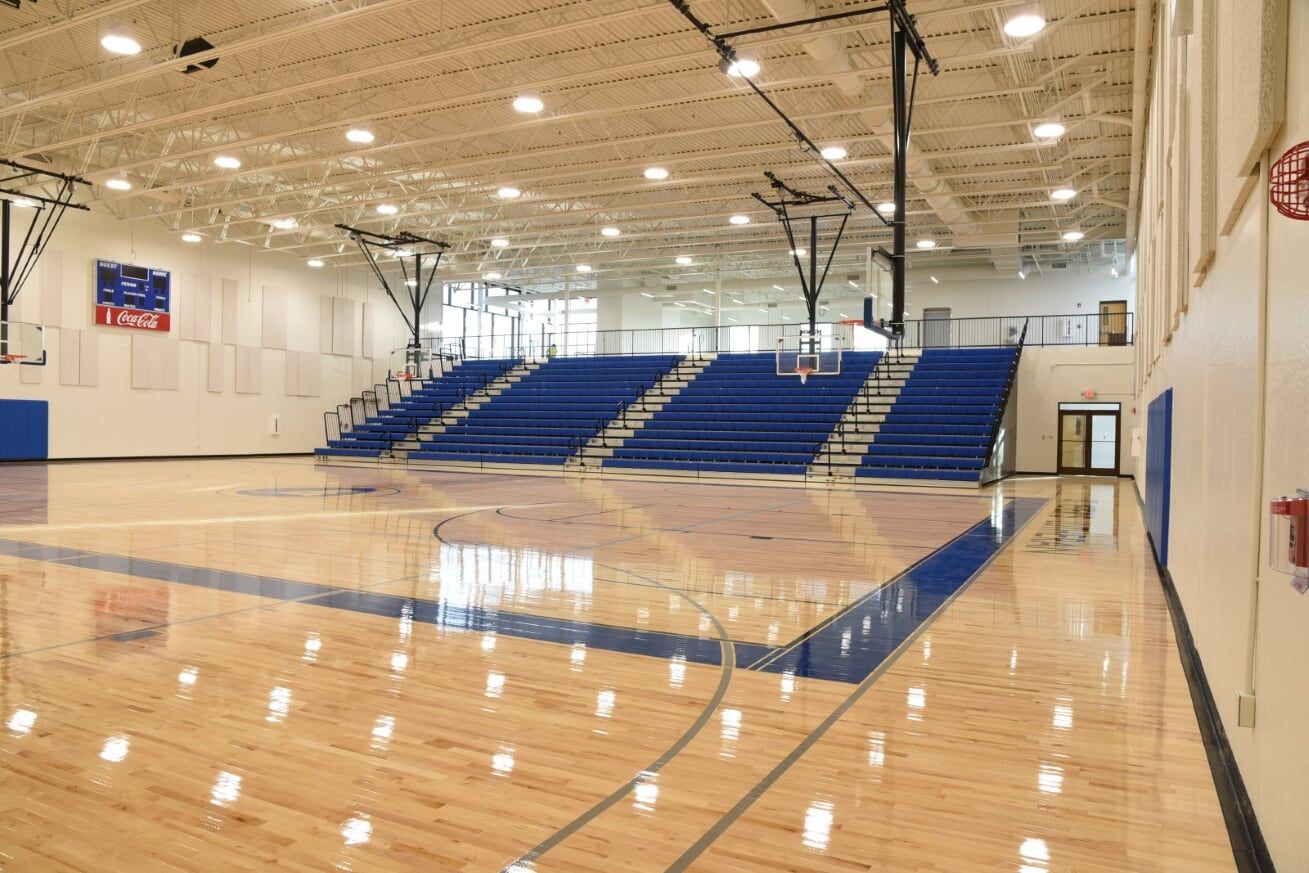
853,322
803,373
12,359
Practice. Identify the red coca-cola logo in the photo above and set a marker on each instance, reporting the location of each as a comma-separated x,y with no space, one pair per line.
114,316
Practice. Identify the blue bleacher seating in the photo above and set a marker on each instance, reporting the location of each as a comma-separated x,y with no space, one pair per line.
739,416
433,397
549,414
941,425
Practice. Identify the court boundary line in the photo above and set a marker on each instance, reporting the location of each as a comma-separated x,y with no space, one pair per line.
724,823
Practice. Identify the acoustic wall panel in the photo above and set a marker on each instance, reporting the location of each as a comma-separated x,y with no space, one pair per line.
184,303
154,362
52,289
30,375
361,374
304,374
367,350
274,317
216,366
231,295
70,356
249,370
204,308
89,359
325,324
343,326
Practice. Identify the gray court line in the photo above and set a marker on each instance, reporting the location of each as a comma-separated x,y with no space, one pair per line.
727,653
731,816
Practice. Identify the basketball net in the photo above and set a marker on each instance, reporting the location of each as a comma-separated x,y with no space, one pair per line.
804,373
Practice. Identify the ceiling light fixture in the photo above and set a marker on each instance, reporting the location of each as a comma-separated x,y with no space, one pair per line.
1024,25
1062,194
120,43
227,162
887,208
1072,235
853,283
387,209
583,268
799,253
1022,274
284,223
316,263
1049,130
656,174
118,184
834,153
739,219
927,243
498,243
508,192
24,203
412,283
492,277
528,104
707,291
360,135
610,231
684,260
935,281
779,287
741,68
647,294
191,237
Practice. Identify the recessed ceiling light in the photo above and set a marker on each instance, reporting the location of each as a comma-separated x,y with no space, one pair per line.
315,262
935,281
657,174
284,223
887,208
834,153
1027,24
739,219
610,231
799,253
583,268
1073,235
118,184
24,203
191,237
498,243
927,243
120,43
1062,194
528,104
1049,130
360,135
508,192
491,277
227,162
387,209
684,260
743,68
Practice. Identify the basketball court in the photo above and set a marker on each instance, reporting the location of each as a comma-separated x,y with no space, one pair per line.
647,435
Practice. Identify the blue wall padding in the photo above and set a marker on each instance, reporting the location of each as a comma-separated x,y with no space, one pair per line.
1159,471
24,430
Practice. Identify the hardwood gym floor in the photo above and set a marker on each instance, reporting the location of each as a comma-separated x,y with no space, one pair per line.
240,664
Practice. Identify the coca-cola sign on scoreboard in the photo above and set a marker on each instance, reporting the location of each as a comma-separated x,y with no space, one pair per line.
127,295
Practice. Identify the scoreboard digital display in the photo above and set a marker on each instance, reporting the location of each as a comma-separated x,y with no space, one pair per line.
128,295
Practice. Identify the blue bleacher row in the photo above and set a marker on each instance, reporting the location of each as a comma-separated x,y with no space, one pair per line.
738,415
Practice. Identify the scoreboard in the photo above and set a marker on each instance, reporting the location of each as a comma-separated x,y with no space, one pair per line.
127,295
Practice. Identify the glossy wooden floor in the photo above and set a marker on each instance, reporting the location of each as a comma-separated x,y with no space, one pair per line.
1040,722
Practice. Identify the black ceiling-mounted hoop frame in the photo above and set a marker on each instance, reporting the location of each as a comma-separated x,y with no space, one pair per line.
404,245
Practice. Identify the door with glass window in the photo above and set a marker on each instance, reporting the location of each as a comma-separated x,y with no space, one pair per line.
1088,441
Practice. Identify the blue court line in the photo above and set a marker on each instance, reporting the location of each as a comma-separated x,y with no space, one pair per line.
846,649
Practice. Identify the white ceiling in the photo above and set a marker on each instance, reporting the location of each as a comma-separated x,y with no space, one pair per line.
627,84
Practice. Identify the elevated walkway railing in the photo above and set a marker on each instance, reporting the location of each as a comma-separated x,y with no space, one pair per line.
1080,329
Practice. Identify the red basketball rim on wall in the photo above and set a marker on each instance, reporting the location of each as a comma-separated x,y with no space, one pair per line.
117,316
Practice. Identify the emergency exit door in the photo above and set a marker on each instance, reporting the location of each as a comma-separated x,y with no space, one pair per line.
1088,439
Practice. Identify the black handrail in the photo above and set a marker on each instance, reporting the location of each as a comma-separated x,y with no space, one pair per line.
1004,402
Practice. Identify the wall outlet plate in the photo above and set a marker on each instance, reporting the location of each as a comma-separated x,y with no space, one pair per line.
1245,709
